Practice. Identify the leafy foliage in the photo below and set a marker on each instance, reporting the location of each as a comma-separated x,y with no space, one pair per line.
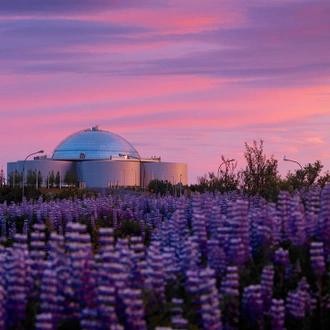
71,178
260,176
160,187
15,178
34,178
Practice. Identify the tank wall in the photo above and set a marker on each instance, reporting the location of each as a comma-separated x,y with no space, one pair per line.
109,173
172,172
45,166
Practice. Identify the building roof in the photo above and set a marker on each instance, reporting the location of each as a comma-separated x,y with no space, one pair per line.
93,143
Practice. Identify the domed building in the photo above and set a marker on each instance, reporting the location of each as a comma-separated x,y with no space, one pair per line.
100,158
93,144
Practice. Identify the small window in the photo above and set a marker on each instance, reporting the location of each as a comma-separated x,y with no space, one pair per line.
82,155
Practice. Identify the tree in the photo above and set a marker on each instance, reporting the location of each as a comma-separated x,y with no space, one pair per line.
15,178
228,180
260,176
58,179
31,178
160,186
50,179
308,176
70,178
2,178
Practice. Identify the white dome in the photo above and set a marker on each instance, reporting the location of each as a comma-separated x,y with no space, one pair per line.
93,144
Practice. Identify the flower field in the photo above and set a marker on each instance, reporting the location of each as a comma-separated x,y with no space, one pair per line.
211,261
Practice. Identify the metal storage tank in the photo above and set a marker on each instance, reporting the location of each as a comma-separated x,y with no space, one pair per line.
94,143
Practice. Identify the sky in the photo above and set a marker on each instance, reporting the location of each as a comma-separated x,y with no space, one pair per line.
187,80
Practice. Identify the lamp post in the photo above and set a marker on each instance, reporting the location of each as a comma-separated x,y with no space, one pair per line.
180,183
226,161
144,171
33,153
293,161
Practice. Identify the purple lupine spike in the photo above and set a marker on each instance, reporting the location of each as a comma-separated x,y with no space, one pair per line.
37,254
182,220
277,314
298,222
20,241
107,297
199,229
230,283
191,255
16,289
207,211
252,305
317,257
298,303
238,222
215,220
50,298
274,223
229,291
209,302
235,254
323,224
106,240
137,246
26,227
44,321
125,254
155,276
267,282
12,230
283,208
92,222
3,228
177,315
282,257
313,203
2,307
114,218
257,237
216,258
90,319
132,299
201,285
170,263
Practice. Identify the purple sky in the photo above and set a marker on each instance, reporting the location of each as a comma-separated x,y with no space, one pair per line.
185,80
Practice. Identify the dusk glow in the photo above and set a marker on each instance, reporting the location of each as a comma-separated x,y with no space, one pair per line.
186,80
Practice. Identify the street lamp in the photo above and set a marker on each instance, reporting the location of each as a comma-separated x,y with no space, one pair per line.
33,153
293,161
226,161
180,184
144,171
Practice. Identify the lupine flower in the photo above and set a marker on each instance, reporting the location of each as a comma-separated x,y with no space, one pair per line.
133,309
317,257
282,257
216,258
277,314
252,305
230,289
44,322
267,281
298,302
16,288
